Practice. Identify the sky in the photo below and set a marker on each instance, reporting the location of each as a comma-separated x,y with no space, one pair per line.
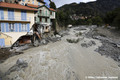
62,2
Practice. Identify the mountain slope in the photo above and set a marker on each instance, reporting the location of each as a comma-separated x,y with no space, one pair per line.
99,7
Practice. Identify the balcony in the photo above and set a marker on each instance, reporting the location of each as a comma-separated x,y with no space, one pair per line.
43,15
14,19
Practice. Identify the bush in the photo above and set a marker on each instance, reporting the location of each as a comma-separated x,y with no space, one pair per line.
73,41
113,18
78,34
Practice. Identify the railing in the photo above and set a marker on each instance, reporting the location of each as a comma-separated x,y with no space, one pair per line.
45,23
44,14
15,18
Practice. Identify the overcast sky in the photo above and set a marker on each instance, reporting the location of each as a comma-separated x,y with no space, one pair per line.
62,2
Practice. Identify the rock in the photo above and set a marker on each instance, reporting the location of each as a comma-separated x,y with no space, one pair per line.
119,57
43,41
84,45
119,65
90,43
93,42
118,45
58,36
19,62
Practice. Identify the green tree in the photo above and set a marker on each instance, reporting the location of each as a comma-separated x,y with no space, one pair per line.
52,5
89,21
116,21
97,21
113,18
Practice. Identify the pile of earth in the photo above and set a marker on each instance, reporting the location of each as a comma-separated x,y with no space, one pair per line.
5,53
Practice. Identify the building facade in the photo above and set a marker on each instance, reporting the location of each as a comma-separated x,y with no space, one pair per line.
5,40
15,20
34,2
45,16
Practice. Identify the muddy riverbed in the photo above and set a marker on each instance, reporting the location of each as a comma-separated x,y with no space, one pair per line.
76,59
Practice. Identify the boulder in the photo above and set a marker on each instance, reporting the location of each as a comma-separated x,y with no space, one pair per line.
21,63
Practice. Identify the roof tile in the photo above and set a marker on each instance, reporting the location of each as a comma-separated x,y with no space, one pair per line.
16,6
52,9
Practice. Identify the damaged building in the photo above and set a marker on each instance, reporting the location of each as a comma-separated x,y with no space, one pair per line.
17,19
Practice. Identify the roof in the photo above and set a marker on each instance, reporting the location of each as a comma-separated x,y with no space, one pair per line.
52,9
42,1
33,6
16,6
5,34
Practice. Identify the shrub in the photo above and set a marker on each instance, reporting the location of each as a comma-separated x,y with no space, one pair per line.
78,34
73,40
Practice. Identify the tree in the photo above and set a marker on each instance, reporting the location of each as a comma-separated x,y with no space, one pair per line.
89,22
52,5
97,21
116,21
113,18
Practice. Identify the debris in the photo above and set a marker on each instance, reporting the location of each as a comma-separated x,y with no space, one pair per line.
90,43
43,41
58,36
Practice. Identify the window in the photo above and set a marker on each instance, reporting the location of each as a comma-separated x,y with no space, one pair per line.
10,14
46,13
11,27
35,19
39,3
23,16
45,19
10,1
32,1
0,27
1,14
40,11
22,3
24,27
23,0
0,0
51,13
40,19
